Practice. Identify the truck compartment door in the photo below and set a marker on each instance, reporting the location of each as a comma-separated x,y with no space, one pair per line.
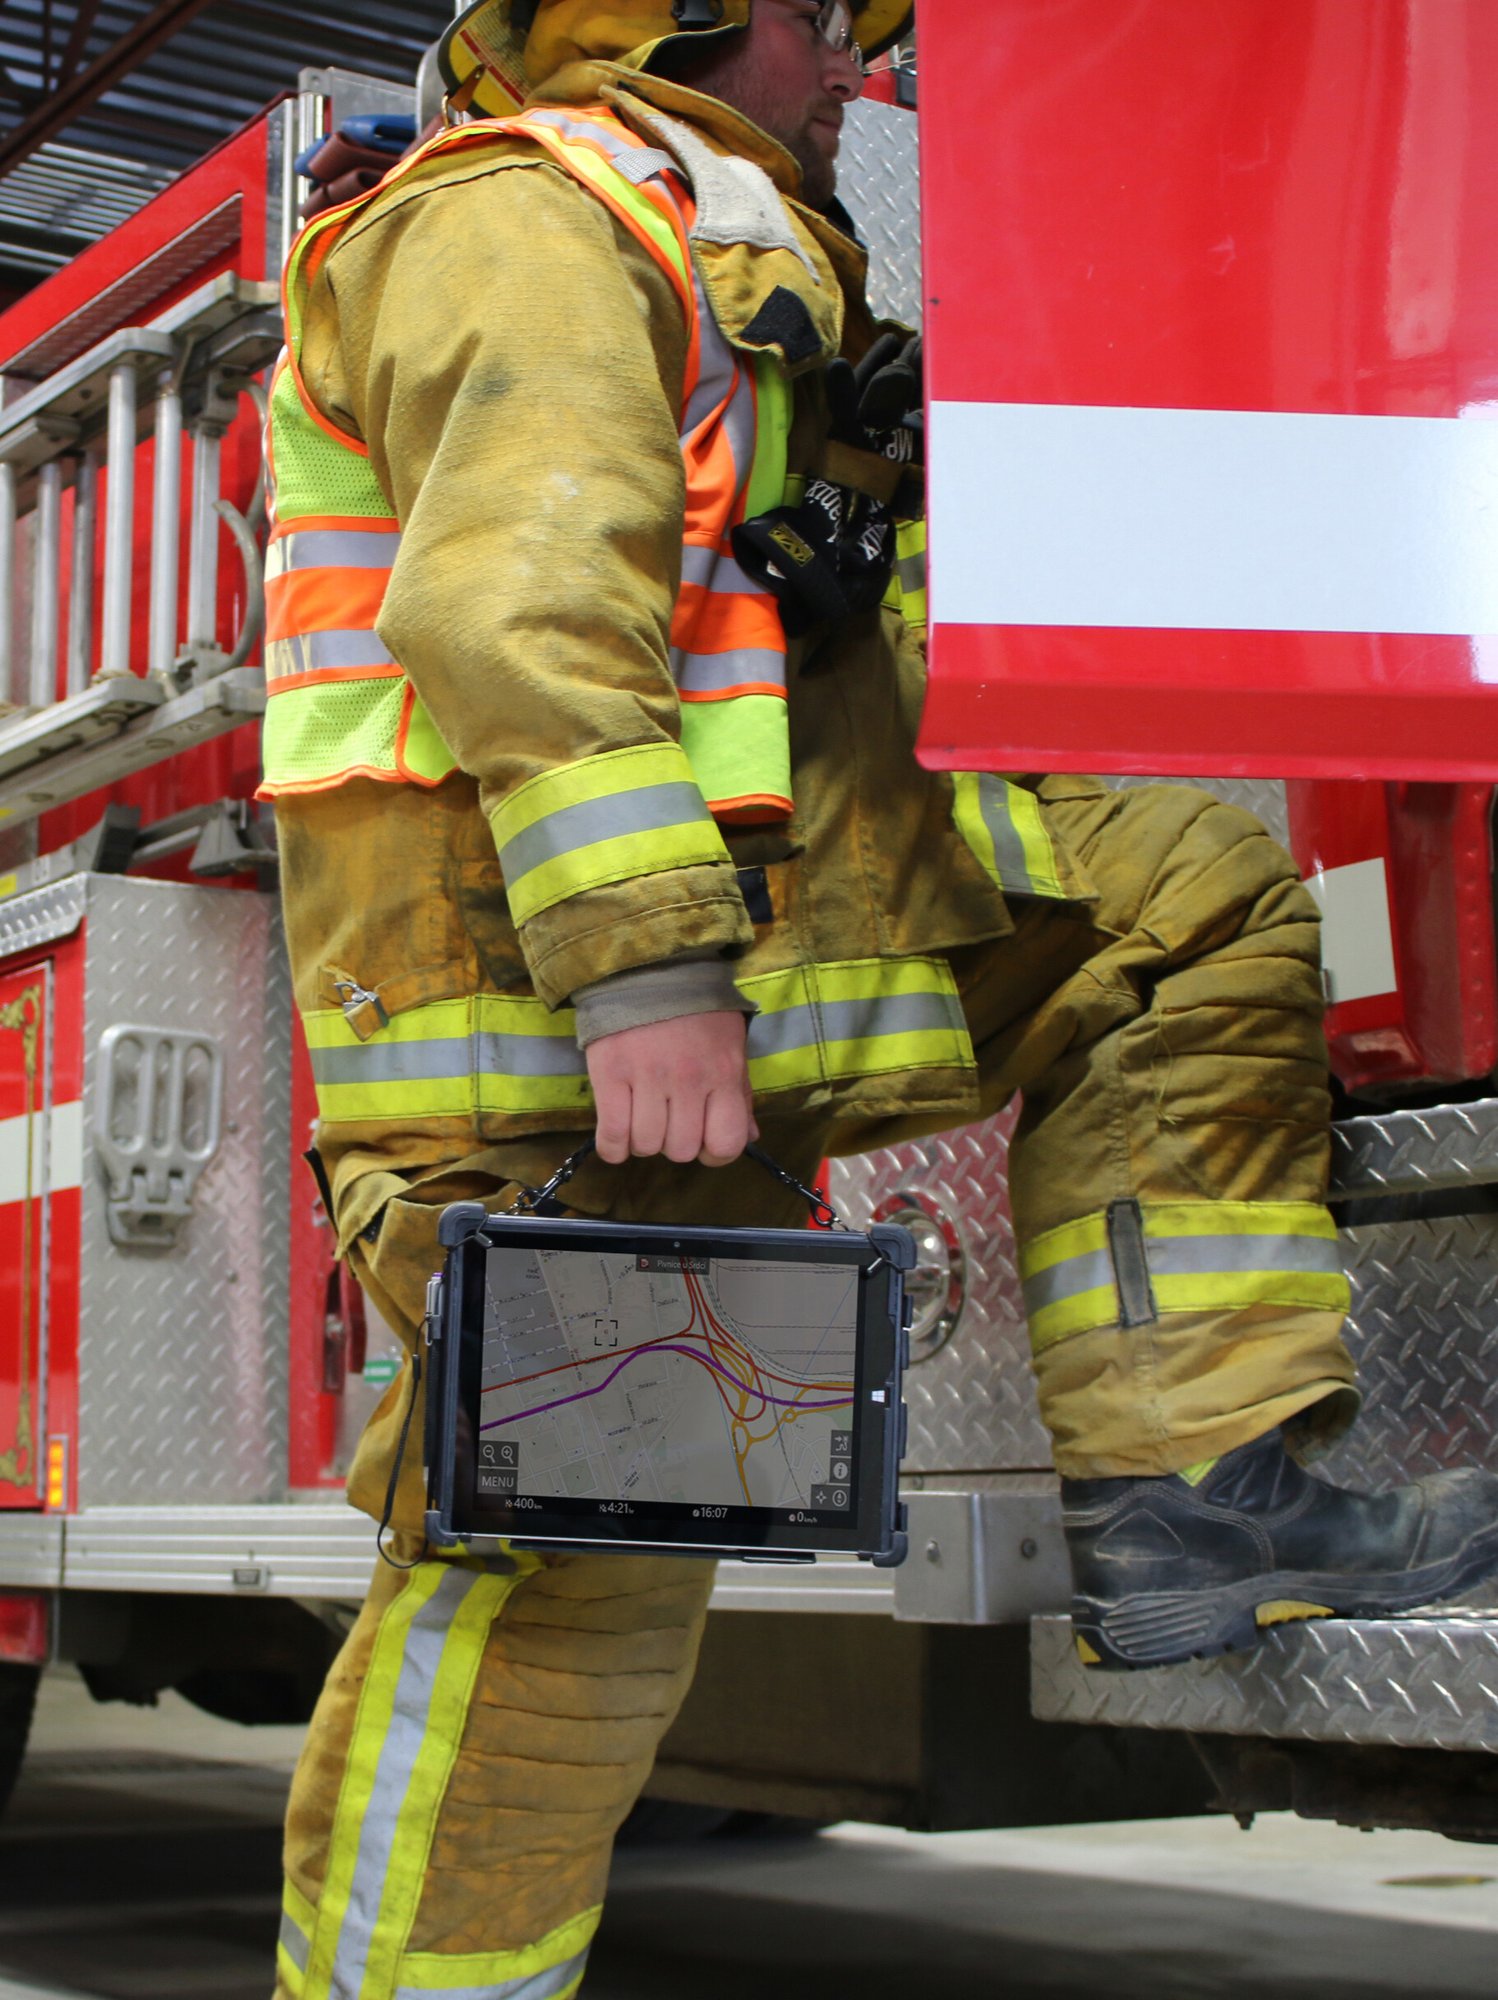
1212,344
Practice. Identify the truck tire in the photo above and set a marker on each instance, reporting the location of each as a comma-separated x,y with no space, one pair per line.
18,1685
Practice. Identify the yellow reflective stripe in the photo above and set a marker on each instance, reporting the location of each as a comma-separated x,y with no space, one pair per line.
1181,1218
910,557
1082,1313
1055,1246
907,584
1225,1291
294,1946
1086,1311
1202,1256
590,778
739,748
599,864
1239,1218
397,1864
488,1052
551,1969
509,1054
299,1908
412,1711
556,833
1002,823
372,1726
857,1017
1034,840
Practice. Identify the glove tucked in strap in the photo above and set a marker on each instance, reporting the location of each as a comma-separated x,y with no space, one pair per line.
829,555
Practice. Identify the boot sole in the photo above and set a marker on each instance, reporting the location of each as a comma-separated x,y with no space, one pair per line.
1167,1628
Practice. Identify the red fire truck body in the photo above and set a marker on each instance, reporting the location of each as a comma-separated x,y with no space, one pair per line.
1177,245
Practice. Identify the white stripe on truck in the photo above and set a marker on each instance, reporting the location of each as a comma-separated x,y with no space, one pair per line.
1218,520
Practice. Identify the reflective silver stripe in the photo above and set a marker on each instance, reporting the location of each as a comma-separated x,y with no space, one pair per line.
803,1027
911,570
724,386
535,1986
312,652
713,673
739,421
1181,1256
580,128
530,1055
712,570
647,809
718,382
338,548
1173,1256
643,163
296,1941
495,1054
1066,1279
421,1659
1008,849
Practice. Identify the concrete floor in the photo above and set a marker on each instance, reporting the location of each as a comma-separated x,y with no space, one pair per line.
139,1862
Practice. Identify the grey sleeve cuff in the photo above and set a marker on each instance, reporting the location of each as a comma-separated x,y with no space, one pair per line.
652,993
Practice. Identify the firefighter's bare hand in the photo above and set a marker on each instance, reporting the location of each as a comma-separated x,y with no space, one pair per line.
675,1087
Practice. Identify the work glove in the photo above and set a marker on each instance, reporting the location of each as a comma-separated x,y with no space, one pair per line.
884,396
830,555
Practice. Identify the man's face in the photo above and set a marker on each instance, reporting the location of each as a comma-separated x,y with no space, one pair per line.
784,75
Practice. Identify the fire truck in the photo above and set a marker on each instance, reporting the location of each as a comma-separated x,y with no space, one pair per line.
1208,297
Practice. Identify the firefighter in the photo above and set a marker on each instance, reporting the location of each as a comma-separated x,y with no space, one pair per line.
591,742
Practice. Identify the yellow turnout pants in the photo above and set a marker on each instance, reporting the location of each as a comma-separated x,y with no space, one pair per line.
483,1733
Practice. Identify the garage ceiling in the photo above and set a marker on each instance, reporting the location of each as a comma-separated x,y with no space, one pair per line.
104,101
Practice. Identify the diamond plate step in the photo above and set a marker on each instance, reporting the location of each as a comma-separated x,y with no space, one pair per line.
1416,1152
1429,1682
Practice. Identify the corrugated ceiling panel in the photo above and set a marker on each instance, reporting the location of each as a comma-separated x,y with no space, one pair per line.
215,73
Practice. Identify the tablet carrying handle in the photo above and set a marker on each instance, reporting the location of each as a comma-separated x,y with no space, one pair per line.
542,1200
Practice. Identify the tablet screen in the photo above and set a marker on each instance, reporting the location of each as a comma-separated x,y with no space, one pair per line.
617,1381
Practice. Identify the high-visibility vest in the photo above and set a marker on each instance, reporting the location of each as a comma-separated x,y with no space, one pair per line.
341,707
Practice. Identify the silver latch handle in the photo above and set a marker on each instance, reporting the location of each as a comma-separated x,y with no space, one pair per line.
158,1124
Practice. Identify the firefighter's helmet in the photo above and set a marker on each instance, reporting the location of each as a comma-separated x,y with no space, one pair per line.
498,51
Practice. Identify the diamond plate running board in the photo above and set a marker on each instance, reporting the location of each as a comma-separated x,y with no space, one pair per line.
1416,1152
1429,1682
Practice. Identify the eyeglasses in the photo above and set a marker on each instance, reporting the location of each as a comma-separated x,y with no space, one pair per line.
835,25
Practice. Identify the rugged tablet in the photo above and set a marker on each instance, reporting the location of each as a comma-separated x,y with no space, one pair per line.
730,1391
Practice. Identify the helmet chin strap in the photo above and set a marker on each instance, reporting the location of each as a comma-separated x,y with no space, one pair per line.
697,13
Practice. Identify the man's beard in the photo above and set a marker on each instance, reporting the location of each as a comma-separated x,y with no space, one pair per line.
732,76
818,172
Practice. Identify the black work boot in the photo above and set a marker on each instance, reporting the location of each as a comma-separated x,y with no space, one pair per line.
1164,1570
